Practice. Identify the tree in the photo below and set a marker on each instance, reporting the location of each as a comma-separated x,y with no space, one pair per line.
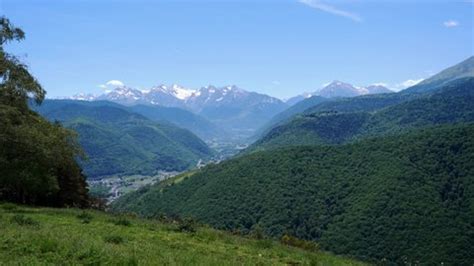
17,84
37,158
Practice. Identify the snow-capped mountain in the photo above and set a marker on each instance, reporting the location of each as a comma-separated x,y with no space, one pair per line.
172,96
123,95
83,97
337,89
233,108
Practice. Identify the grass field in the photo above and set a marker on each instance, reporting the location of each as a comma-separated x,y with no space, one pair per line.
38,236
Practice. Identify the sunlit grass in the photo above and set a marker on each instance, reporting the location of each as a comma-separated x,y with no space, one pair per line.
31,236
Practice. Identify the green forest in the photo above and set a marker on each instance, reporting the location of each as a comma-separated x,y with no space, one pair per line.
118,141
405,198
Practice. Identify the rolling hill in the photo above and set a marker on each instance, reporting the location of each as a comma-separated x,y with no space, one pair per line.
398,199
117,141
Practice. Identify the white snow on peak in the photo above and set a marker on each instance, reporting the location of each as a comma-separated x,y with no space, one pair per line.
182,93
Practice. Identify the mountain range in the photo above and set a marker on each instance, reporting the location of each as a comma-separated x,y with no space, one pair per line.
321,120
234,110
339,89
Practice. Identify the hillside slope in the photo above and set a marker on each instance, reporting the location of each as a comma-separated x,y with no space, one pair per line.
452,104
182,118
372,103
463,69
407,198
39,236
285,115
117,141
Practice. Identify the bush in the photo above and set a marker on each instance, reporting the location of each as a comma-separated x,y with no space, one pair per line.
85,217
48,245
9,206
257,232
265,243
114,239
122,221
188,225
24,221
299,243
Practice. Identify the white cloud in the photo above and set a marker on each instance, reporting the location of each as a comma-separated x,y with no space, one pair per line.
451,23
115,82
318,4
411,82
380,84
406,84
111,84
276,82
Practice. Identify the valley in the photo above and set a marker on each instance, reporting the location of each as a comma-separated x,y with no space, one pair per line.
295,132
112,187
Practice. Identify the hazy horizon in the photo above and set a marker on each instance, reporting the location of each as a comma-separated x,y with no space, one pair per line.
290,48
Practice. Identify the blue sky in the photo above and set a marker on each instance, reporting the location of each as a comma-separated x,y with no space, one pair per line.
278,47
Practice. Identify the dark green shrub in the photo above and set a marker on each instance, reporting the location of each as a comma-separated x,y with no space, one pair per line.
90,256
9,206
188,225
257,232
265,243
48,245
22,220
85,217
114,239
299,243
122,221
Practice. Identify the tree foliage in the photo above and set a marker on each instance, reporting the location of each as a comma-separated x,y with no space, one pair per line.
401,198
37,158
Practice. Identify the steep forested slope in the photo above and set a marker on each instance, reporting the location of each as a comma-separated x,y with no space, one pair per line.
120,142
290,112
181,118
452,104
461,70
372,103
407,198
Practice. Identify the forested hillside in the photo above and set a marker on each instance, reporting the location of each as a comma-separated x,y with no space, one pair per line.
372,103
197,124
117,141
289,113
405,199
461,70
451,104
